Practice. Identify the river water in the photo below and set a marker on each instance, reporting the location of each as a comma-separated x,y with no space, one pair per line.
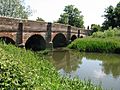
101,69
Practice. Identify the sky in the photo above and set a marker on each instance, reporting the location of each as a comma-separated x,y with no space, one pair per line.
50,10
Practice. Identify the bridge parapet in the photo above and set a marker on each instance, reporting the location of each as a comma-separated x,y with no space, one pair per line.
34,26
74,30
8,24
86,32
56,27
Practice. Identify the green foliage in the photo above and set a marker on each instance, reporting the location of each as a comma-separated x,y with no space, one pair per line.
95,27
107,33
14,8
112,17
98,34
71,16
21,69
116,32
107,45
39,19
12,74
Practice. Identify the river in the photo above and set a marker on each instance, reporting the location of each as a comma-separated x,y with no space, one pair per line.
101,69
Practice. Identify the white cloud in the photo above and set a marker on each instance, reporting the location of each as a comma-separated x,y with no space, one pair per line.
99,74
50,10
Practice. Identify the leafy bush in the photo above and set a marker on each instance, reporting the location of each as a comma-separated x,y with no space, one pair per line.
116,32
98,34
107,33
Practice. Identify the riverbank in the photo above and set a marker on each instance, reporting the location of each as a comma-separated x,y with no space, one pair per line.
21,69
103,42
102,45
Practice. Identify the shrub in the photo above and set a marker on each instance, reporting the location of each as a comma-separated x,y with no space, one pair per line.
98,34
107,33
116,32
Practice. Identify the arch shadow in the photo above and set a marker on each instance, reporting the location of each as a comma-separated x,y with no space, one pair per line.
59,40
35,43
7,40
73,37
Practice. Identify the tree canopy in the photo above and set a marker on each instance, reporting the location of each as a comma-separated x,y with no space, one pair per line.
95,27
71,16
14,8
112,17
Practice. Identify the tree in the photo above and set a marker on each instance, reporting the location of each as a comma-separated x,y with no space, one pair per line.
72,17
39,19
95,28
112,17
14,8
117,14
109,18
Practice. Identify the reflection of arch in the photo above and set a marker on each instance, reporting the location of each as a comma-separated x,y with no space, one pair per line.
7,40
35,43
59,40
73,37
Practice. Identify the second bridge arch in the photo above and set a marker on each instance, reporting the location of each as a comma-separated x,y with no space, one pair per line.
36,43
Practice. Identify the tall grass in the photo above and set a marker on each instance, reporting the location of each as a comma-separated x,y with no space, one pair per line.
21,69
106,45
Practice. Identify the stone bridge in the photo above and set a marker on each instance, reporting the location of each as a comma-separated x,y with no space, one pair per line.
38,35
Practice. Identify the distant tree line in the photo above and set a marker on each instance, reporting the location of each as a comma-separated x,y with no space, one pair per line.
71,16
112,19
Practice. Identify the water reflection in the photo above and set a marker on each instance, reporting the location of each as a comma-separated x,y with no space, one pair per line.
104,68
62,59
110,62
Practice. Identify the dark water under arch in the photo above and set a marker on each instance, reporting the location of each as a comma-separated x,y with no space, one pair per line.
59,40
35,43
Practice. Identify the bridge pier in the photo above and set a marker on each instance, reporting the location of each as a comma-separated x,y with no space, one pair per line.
68,34
78,33
19,35
49,43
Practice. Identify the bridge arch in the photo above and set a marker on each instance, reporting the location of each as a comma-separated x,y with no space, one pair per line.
36,43
7,40
73,37
59,40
